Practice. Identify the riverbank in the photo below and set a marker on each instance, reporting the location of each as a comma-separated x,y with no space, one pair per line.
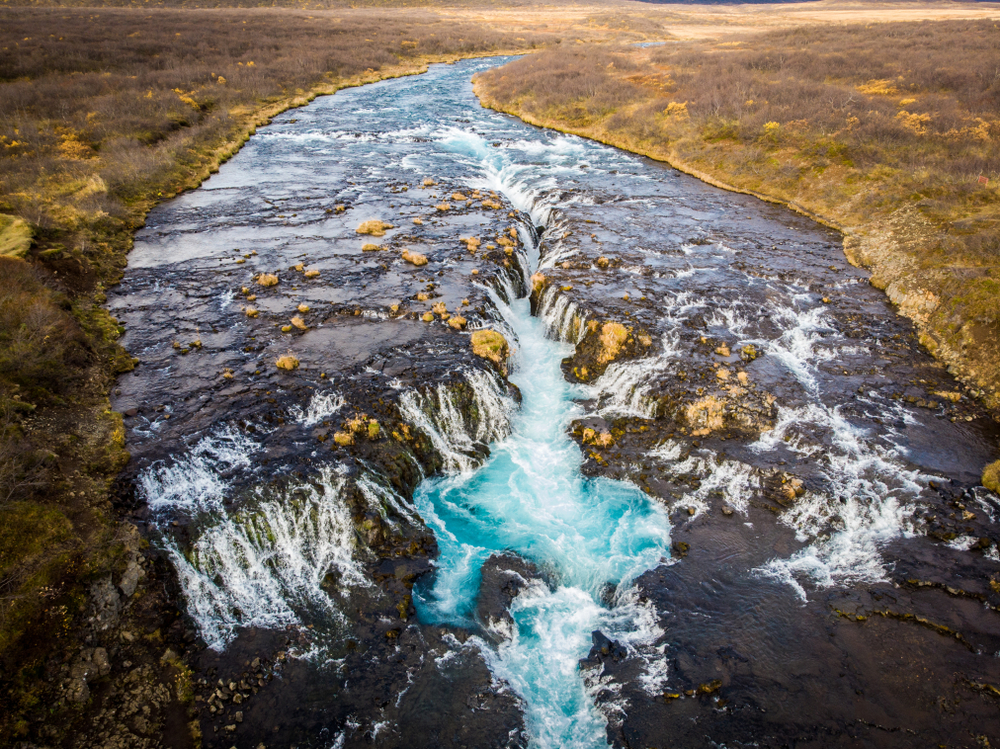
852,126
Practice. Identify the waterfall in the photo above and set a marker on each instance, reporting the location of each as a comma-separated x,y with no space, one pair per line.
462,441
265,565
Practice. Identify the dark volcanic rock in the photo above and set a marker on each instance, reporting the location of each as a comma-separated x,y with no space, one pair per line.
504,577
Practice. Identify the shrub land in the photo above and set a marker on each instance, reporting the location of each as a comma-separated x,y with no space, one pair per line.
104,113
887,131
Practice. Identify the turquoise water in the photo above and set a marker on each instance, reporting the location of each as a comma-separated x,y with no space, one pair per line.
589,537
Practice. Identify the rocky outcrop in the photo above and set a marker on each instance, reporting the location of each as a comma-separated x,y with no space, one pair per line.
504,577
603,344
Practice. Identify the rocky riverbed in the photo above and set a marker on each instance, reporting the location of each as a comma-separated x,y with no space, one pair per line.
329,326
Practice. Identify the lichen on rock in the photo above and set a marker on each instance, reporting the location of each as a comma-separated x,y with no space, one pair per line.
287,362
613,338
415,258
705,415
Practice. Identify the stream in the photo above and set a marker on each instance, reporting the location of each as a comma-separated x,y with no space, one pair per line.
716,495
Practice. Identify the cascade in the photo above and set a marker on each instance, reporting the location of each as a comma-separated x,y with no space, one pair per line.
590,538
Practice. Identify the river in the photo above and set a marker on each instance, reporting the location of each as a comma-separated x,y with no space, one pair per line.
718,494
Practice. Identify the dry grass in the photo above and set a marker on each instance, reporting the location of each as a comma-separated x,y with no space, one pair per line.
854,124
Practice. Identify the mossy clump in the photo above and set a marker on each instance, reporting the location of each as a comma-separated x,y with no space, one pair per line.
374,227
311,273
991,477
601,439
373,430
299,323
613,337
538,282
415,258
303,308
428,317
250,312
457,322
370,247
418,221
443,207
343,438
491,345
705,415
267,279
287,362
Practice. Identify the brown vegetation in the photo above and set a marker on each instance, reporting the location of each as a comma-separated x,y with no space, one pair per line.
887,131
991,477
287,362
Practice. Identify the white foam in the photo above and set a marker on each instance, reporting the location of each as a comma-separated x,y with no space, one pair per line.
867,498
963,543
195,481
736,482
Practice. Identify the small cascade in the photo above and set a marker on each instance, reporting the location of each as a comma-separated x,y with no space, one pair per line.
867,498
736,482
461,439
196,481
266,565
321,407
623,389
562,319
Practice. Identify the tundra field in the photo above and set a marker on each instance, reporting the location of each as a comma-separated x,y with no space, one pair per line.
879,119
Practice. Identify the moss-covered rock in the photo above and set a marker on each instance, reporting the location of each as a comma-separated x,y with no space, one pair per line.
491,345
991,477
373,227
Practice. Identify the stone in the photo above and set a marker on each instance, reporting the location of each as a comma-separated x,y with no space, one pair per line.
130,578
504,577
105,604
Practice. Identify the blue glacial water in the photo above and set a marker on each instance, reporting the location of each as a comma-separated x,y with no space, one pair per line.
589,537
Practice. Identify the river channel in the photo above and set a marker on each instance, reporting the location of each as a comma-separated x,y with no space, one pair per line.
712,492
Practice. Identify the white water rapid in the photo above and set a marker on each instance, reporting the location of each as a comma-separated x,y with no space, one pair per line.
590,538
